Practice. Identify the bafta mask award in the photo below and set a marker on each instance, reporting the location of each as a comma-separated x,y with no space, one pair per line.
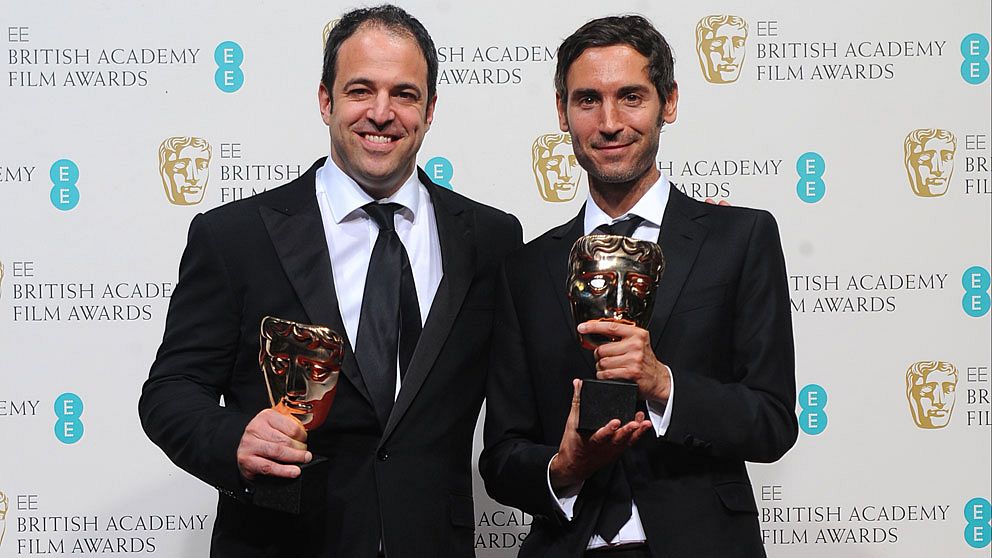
611,278
301,364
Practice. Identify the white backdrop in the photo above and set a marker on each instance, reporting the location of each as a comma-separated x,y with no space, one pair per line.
881,277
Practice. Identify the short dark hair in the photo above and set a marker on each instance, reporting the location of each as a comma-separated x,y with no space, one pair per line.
389,17
632,30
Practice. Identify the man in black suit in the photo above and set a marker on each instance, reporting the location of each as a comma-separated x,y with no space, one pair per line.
714,369
398,438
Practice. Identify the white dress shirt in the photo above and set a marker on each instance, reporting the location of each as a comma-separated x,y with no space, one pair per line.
351,234
651,208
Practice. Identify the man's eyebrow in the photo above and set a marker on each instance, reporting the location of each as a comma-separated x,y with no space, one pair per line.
628,89
584,93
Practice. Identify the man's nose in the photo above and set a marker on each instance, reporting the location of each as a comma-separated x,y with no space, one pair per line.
610,122
381,111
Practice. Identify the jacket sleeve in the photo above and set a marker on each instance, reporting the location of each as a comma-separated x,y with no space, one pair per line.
751,417
512,464
180,406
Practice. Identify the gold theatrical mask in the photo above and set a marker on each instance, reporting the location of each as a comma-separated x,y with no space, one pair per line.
613,278
929,159
555,167
720,41
184,165
930,389
301,364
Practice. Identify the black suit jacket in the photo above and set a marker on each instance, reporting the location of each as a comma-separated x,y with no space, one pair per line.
267,255
721,321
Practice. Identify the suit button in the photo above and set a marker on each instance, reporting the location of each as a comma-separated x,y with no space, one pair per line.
382,454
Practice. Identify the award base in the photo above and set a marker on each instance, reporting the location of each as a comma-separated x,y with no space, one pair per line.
604,400
304,493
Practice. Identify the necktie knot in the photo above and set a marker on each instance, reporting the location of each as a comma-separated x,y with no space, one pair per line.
623,228
382,214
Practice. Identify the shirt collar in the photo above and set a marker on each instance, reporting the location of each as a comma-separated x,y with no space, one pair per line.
651,208
345,197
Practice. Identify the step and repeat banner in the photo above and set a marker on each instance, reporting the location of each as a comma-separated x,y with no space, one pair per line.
864,127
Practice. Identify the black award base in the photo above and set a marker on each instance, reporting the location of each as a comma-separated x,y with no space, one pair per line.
604,400
304,493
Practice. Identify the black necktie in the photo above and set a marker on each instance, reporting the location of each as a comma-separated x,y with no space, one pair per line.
389,324
616,509
622,228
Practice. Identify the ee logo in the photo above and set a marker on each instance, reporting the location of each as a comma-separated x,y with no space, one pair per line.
976,282
68,427
813,418
440,170
978,513
975,50
810,167
229,56
64,174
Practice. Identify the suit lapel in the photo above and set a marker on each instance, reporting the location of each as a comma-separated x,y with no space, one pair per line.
456,234
556,257
680,238
297,232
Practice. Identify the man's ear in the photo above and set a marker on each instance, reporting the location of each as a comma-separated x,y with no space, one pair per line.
562,112
324,103
671,109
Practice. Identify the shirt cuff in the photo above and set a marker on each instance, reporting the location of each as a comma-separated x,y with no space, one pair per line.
566,500
659,413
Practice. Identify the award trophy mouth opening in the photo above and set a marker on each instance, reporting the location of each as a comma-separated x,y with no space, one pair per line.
611,279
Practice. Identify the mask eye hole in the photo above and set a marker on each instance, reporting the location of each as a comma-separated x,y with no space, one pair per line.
597,283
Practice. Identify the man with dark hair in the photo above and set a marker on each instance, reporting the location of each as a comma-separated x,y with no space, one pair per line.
714,368
403,269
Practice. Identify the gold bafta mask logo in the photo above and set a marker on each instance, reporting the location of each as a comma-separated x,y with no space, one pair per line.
930,160
555,167
1,279
930,387
3,515
720,41
184,165
327,31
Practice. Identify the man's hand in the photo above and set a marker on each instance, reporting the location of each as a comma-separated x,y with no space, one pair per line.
579,456
272,441
630,357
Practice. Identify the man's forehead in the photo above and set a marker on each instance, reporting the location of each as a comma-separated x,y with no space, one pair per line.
608,67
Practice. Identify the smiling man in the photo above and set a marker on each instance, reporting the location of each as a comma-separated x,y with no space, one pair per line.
403,269
714,368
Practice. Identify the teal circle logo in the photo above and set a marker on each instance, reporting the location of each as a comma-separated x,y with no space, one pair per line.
810,168
975,50
978,514
976,300
68,409
229,56
440,170
64,194
812,401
